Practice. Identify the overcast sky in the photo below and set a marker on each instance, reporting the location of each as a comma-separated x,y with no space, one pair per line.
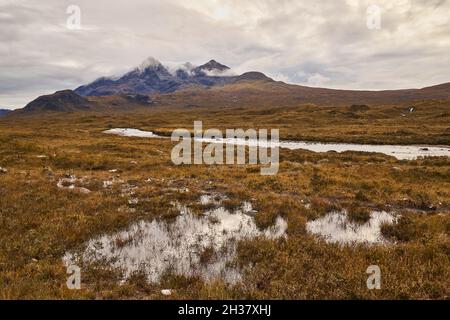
326,43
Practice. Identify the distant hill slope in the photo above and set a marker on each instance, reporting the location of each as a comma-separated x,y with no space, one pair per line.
66,100
69,101
260,93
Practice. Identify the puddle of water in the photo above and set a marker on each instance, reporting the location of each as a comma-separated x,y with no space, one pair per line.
156,247
336,228
401,152
127,132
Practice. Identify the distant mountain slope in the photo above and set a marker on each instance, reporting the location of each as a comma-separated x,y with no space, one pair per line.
4,112
69,101
65,100
253,90
152,77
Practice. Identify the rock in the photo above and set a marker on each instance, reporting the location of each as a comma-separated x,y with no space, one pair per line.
133,201
126,209
48,172
3,170
68,183
107,184
82,190
424,149
166,292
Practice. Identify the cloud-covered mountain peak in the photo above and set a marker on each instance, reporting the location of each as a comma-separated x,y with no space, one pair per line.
151,76
150,62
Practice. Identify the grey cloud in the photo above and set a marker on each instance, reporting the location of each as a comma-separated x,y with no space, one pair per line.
294,40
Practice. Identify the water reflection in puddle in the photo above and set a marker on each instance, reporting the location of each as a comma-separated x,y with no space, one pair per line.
191,245
335,227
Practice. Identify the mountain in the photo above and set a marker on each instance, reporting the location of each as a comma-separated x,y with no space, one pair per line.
65,100
210,68
212,85
4,112
152,77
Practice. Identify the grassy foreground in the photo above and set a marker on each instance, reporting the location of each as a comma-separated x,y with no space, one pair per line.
39,222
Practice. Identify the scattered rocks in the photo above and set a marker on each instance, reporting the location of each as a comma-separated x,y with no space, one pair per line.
107,184
128,190
68,183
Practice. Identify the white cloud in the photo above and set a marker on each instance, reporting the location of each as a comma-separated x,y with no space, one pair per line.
317,79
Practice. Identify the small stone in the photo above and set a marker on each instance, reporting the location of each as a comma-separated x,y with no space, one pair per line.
133,201
3,170
166,292
107,184
83,190
48,172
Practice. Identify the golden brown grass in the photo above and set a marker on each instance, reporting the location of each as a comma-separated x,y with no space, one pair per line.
39,222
